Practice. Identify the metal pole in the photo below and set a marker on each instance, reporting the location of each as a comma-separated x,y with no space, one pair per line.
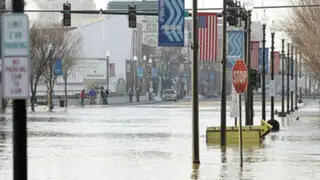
249,93
272,76
292,74
249,67
195,96
50,85
288,78
246,50
108,73
240,132
223,112
282,114
19,124
300,75
264,72
296,81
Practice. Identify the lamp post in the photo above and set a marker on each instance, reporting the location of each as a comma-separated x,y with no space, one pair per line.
274,123
292,74
264,21
296,81
272,87
50,79
300,79
288,78
249,4
107,69
144,72
150,79
282,113
135,59
223,120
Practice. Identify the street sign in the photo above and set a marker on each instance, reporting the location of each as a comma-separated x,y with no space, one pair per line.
234,110
272,88
15,56
240,76
58,70
171,23
15,34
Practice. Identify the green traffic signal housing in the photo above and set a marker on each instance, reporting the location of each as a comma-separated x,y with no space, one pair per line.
132,12
66,14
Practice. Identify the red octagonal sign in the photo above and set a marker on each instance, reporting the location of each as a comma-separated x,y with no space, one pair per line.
240,76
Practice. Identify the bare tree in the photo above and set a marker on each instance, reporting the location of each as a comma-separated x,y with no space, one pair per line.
40,56
66,45
72,45
48,43
303,28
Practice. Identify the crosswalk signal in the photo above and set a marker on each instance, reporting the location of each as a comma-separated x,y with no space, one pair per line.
132,16
66,14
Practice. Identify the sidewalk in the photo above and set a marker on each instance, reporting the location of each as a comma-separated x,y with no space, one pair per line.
123,100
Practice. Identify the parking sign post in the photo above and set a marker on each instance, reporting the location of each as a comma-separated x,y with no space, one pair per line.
15,79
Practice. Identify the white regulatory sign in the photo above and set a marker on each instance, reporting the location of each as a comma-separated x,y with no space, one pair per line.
15,56
16,77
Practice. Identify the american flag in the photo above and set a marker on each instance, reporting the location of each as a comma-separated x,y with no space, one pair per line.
276,65
254,47
207,36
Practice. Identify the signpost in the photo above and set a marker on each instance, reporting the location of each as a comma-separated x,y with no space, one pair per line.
171,23
15,78
240,83
15,55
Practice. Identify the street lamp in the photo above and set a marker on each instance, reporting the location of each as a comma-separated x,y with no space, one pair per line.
272,121
108,69
296,81
300,78
249,4
50,48
292,74
264,21
135,59
288,78
282,113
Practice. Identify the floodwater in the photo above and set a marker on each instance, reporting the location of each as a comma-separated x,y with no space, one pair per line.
154,142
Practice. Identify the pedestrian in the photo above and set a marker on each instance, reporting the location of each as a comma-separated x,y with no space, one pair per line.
82,96
138,94
103,96
92,95
106,95
130,92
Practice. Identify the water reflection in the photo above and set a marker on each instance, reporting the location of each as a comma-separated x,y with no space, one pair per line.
195,172
155,144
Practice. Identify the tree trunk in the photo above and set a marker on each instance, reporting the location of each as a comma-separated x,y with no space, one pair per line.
33,87
65,91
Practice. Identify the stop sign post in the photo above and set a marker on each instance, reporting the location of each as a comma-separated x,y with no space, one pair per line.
240,83
240,76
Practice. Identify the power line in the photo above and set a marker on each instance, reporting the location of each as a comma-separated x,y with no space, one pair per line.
155,11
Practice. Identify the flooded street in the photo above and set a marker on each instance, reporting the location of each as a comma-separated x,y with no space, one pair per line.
154,142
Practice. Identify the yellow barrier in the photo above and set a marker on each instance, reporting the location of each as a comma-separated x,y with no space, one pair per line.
251,134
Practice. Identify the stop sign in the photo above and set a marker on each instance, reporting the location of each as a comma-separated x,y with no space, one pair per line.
240,76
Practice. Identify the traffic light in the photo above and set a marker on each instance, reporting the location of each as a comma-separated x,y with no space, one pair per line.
66,14
232,13
255,79
132,16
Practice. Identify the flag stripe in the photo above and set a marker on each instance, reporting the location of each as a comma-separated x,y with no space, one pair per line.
254,52
207,33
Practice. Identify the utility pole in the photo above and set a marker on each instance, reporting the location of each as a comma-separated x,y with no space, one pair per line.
223,123
19,123
195,94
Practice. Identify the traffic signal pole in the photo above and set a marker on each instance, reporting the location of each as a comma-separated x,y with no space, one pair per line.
19,124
